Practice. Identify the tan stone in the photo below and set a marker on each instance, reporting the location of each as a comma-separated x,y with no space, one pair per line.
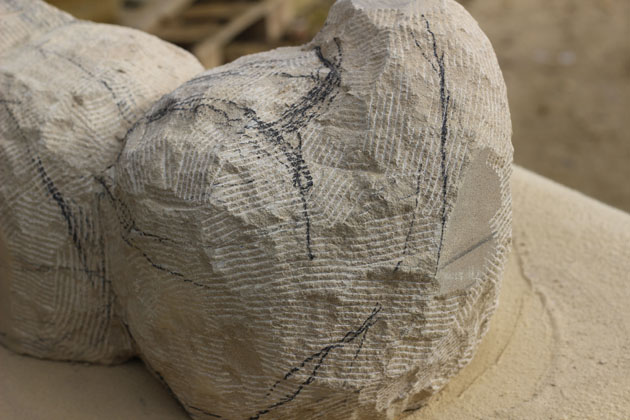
69,91
320,231
23,20
312,232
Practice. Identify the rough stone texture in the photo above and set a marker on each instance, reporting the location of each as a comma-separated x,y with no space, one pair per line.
319,232
69,91
22,20
313,232
556,349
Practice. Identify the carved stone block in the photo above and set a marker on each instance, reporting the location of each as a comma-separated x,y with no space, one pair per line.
319,231
69,91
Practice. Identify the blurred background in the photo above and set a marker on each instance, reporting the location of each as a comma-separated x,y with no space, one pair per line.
566,64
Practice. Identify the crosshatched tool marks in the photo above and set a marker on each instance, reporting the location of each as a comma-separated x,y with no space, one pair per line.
129,226
63,110
243,184
263,160
282,133
85,237
316,360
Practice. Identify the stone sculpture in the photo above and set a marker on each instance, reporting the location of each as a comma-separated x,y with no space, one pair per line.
311,232
69,91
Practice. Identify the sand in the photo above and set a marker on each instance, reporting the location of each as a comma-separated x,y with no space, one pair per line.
558,346
566,64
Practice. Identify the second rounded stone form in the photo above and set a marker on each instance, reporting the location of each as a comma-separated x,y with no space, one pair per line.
69,92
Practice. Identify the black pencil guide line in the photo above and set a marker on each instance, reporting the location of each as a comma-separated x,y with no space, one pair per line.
84,238
204,412
319,358
282,133
128,226
80,229
437,65
79,225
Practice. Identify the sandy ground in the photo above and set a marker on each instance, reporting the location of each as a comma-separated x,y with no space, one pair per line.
558,347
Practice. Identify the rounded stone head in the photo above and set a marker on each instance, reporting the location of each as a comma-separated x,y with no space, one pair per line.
69,91
319,231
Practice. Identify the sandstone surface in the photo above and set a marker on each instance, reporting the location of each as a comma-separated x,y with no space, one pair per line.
320,231
69,91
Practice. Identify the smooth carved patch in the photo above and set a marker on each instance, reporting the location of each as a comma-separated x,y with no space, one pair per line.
469,240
